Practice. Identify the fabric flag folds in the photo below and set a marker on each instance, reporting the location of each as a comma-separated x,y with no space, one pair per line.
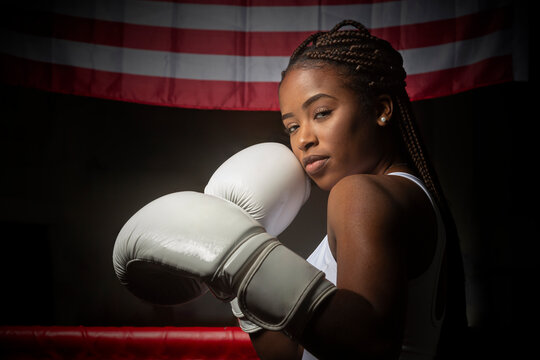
229,54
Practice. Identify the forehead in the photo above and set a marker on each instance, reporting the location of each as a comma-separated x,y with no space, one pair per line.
303,82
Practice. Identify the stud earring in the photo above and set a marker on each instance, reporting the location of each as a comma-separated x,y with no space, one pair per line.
383,119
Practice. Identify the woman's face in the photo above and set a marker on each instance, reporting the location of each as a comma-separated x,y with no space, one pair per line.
331,133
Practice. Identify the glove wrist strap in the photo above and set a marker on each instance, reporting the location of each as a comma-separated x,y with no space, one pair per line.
281,290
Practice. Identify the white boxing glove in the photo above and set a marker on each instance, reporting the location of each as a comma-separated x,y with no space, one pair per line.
211,241
172,249
267,181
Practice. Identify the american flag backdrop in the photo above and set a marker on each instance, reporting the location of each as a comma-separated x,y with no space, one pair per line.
229,54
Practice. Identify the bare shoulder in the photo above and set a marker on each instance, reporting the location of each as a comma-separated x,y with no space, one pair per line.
371,195
360,206
380,211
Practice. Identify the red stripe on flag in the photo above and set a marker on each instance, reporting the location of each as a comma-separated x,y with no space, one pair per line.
243,43
224,95
157,38
446,31
451,81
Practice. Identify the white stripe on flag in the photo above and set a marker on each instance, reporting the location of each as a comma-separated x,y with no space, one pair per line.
460,53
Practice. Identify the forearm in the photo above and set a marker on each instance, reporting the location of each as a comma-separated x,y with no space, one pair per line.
346,324
271,345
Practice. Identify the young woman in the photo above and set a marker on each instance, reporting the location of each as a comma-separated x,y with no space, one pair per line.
391,247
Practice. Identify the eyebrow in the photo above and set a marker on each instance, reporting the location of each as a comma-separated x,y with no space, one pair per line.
308,102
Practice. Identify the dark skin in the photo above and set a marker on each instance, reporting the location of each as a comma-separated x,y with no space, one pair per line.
381,229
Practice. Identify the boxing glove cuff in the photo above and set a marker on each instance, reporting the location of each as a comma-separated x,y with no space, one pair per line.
281,290
246,325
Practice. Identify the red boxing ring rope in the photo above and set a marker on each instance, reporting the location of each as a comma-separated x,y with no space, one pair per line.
79,342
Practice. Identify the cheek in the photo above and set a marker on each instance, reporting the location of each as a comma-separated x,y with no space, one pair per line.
297,152
341,134
350,143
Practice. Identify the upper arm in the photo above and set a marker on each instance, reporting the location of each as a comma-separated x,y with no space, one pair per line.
366,223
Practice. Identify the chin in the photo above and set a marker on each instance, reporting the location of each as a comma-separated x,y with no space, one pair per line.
324,183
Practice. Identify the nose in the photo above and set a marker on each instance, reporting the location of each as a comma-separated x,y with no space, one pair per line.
306,137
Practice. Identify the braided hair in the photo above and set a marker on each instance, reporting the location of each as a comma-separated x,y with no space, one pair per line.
370,66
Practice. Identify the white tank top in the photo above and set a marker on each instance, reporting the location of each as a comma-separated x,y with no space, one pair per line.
422,327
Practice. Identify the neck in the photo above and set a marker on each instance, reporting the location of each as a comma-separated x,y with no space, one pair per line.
391,163
398,167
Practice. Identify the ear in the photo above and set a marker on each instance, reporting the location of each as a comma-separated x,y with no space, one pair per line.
385,107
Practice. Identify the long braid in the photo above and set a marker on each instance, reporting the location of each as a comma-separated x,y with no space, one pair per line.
371,66
415,147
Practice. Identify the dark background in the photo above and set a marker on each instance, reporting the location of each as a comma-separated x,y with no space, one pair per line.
74,169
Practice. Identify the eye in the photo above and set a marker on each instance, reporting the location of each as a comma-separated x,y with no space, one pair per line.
290,129
322,113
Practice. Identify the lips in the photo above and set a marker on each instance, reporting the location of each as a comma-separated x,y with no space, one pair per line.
314,163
